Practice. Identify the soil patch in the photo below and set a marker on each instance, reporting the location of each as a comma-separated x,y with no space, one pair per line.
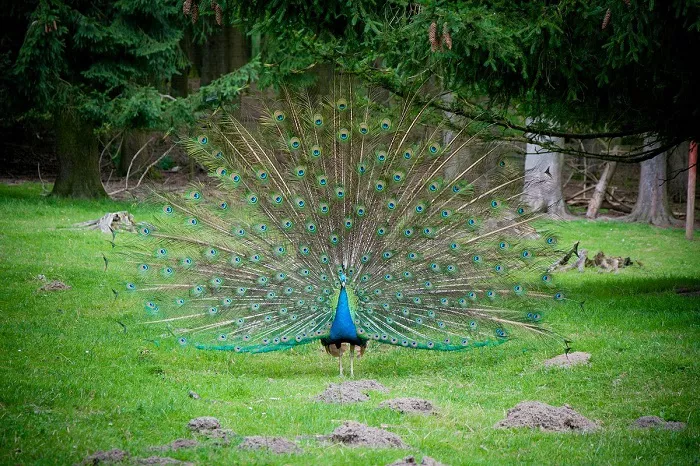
177,445
409,405
106,457
355,434
568,360
411,461
688,292
203,424
55,285
535,414
162,460
649,422
278,445
352,391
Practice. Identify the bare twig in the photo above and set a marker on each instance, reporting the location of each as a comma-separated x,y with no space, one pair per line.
143,175
676,173
107,146
131,164
585,190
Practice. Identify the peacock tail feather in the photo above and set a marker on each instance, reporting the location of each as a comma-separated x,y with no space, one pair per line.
347,187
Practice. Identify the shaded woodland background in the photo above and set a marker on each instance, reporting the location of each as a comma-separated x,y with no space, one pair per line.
95,95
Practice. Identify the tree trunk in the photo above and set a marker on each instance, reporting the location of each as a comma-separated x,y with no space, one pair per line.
180,83
543,175
78,158
599,192
652,200
225,51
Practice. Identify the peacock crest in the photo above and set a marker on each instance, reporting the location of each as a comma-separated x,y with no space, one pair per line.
345,218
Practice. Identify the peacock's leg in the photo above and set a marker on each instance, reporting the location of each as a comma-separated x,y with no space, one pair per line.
352,357
340,363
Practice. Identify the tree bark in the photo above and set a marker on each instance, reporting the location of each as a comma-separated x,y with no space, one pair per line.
225,51
543,175
78,158
599,192
652,201
180,83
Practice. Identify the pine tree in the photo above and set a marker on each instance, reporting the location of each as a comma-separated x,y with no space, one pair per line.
90,64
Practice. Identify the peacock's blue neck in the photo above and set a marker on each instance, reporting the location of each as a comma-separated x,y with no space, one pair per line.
343,328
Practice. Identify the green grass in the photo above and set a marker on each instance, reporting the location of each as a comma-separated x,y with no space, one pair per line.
71,382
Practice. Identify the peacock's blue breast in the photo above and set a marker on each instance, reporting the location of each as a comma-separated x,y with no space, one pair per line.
343,328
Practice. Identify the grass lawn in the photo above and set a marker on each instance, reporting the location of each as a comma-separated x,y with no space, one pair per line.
72,382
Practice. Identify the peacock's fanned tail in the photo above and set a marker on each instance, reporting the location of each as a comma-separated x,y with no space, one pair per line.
352,184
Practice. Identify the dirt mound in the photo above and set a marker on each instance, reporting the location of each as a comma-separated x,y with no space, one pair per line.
177,445
354,434
548,418
55,285
568,360
352,391
106,457
203,424
117,456
411,461
649,422
210,427
409,405
278,445
162,460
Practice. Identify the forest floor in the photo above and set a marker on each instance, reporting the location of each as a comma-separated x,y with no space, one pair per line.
72,382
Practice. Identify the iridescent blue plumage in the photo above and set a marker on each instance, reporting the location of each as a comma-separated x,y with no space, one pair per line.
343,328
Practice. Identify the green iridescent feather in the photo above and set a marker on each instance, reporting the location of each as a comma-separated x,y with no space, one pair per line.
429,230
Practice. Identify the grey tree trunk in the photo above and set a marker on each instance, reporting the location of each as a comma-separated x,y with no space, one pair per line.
652,201
78,158
543,180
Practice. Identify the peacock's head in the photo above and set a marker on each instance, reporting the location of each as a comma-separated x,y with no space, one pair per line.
343,278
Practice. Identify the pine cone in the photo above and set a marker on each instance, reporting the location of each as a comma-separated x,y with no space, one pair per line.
195,13
627,2
606,20
219,14
213,4
446,37
187,7
432,37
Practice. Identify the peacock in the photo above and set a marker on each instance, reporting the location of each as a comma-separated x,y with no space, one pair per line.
346,217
